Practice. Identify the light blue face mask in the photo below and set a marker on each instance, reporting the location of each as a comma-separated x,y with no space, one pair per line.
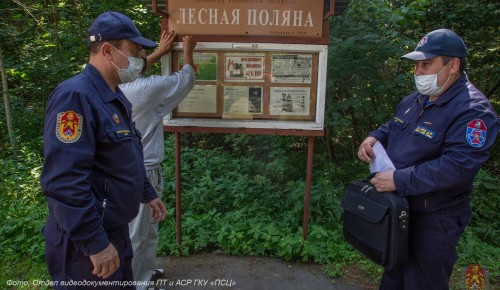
133,70
427,84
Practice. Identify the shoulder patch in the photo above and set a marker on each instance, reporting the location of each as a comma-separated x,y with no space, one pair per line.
69,126
476,133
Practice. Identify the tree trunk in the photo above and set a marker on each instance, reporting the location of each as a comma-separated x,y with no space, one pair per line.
81,34
8,115
329,145
53,16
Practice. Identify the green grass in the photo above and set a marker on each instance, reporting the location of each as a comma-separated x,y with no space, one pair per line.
244,200
22,272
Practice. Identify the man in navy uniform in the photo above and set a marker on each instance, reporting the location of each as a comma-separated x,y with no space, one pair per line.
438,139
93,175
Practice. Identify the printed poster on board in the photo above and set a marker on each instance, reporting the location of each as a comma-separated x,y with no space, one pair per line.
205,65
290,101
242,100
291,68
201,99
244,67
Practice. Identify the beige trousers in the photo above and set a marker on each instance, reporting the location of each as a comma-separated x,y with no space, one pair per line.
144,234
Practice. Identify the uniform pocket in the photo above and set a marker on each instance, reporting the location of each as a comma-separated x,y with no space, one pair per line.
119,133
427,132
52,236
118,239
399,122
453,222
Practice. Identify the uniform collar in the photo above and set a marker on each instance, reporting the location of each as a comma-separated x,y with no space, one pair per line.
100,84
449,94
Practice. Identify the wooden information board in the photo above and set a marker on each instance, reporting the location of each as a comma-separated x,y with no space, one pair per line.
247,17
260,64
254,86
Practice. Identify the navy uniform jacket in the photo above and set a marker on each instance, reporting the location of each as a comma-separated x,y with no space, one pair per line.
92,153
439,149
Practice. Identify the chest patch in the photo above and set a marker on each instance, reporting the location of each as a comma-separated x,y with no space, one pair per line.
69,126
476,133
122,133
426,132
398,120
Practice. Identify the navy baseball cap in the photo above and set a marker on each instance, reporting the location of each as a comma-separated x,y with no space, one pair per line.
442,42
114,25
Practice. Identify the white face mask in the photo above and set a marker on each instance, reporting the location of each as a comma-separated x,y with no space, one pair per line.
427,84
133,70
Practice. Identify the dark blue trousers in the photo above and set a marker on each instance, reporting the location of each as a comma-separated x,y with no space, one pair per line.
68,265
433,238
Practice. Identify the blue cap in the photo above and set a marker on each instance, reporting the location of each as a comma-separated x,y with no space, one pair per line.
113,25
442,42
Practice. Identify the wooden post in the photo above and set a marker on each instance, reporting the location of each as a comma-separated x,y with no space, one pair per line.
307,196
178,213
309,168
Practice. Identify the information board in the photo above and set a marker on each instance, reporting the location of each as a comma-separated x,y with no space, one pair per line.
247,17
254,85
260,64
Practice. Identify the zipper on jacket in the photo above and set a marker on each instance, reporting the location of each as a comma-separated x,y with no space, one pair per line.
424,107
421,106
105,200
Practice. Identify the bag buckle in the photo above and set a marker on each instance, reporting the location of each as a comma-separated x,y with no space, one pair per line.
403,217
366,188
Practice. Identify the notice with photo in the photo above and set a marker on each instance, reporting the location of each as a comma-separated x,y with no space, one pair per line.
290,101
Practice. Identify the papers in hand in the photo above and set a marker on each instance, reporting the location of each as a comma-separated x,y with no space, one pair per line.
381,162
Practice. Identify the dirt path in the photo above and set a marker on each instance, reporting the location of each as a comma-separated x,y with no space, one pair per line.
217,271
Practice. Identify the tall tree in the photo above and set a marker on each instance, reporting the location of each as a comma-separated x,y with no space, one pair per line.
8,116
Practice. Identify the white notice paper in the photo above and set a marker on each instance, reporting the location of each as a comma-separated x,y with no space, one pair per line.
381,162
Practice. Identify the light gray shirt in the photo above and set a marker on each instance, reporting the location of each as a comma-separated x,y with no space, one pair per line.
152,99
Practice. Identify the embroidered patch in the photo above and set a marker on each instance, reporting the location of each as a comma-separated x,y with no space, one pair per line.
426,132
69,126
398,120
475,277
122,133
476,133
422,41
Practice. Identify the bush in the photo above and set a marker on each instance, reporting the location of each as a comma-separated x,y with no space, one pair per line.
233,201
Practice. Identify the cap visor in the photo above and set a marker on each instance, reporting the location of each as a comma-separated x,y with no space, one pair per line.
418,55
146,43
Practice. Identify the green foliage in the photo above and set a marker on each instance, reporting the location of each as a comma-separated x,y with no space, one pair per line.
252,203
485,223
367,78
232,202
480,243
22,212
25,271
244,194
23,207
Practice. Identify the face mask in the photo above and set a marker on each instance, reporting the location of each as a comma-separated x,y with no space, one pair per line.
134,69
427,84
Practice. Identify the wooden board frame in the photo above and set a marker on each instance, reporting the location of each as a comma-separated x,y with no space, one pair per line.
324,39
313,121
312,126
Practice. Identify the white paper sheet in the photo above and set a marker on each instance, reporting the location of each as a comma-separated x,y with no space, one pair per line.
381,162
